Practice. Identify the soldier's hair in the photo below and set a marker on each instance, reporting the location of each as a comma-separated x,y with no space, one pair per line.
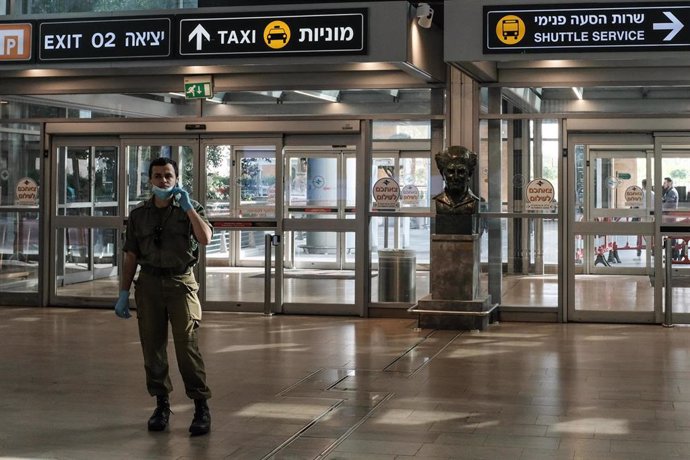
453,153
162,161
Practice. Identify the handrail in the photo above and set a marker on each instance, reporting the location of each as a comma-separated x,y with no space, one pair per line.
413,309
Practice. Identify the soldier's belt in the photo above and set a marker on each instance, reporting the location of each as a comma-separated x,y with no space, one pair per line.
157,271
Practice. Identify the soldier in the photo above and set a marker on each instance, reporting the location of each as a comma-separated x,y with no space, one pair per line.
163,237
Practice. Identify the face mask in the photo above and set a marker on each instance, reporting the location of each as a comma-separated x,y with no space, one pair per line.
162,193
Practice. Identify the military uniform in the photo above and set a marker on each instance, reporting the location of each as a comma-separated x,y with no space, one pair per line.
166,290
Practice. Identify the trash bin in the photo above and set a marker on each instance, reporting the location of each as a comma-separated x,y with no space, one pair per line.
397,275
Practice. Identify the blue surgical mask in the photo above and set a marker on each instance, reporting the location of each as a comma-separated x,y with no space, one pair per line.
162,193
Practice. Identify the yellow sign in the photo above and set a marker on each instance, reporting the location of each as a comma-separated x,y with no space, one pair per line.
277,34
510,29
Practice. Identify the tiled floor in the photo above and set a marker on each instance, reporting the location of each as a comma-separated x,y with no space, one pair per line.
290,387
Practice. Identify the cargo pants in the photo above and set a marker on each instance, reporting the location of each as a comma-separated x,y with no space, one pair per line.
161,299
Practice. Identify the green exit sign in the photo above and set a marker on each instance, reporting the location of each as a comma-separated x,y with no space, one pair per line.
198,90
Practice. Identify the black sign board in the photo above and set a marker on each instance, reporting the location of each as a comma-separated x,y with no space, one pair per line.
339,32
587,28
104,39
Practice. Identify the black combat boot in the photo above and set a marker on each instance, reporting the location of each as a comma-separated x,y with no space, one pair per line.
160,417
202,418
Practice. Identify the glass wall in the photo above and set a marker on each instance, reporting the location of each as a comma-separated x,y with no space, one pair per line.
400,234
20,182
526,257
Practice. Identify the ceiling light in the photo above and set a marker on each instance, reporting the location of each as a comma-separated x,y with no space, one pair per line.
578,92
330,96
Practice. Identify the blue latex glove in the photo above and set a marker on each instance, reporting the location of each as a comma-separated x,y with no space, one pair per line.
183,198
122,305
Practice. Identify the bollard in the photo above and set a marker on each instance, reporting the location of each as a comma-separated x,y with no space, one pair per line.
268,243
668,297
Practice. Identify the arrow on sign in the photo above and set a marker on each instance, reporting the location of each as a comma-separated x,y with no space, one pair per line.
199,33
674,26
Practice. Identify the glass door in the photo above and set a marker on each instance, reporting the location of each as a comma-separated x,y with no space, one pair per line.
85,223
241,199
673,197
321,189
90,205
320,225
611,264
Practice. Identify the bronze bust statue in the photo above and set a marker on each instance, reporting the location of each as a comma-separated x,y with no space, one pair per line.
456,165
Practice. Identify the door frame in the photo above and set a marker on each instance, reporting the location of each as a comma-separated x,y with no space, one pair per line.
55,221
668,229
613,142
341,210
319,143
592,211
235,213
358,132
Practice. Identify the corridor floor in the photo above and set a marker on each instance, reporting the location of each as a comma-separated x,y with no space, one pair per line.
289,387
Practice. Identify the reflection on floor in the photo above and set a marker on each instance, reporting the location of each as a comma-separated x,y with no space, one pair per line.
530,291
290,387
592,292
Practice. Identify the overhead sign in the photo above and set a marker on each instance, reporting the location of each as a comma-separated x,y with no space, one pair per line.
15,42
340,32
104,39
198,87
386,194
590,28
539,195
178,36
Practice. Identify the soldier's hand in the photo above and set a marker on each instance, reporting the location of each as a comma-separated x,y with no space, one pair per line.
122,305
183,198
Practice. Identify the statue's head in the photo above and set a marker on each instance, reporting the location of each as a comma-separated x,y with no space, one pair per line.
456,165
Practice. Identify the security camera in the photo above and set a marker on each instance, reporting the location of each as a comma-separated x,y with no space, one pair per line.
425,13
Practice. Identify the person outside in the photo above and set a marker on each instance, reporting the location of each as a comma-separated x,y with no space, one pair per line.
669,196
163,236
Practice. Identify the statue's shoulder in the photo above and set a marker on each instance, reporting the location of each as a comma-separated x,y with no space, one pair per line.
442,198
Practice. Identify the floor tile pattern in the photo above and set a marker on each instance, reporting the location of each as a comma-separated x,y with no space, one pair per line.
307,387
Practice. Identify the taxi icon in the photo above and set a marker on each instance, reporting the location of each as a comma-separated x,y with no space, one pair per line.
276,33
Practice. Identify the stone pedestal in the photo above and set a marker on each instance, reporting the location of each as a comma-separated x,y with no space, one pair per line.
454,267
455,301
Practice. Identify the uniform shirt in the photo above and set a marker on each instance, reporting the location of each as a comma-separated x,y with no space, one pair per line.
174,246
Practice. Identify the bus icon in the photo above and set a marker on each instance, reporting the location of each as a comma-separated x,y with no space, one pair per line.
510,28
